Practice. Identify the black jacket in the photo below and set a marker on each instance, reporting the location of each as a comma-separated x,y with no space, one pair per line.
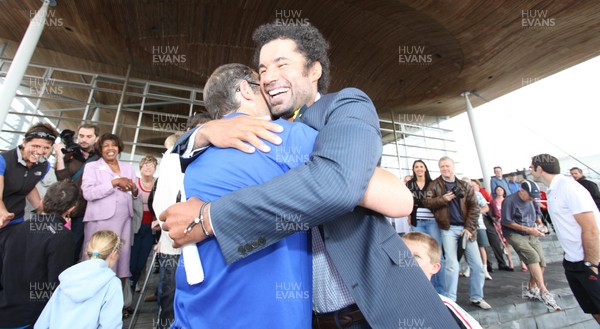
592,188
32,255
19,180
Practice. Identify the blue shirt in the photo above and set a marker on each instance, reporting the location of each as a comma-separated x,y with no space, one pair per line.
515,210
514,187
495,181
271,288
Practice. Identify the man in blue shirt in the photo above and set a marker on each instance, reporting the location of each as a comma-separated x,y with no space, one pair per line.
278,277
498,180
513,184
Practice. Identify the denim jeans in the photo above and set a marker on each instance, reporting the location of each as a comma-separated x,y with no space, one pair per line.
450,240
430,227
165,291
142,245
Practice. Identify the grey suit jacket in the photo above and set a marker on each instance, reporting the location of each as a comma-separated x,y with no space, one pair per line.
375,265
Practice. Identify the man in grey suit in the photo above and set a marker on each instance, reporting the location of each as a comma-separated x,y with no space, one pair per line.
363,274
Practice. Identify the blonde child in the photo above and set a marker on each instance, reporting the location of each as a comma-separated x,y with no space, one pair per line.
427,254
89,294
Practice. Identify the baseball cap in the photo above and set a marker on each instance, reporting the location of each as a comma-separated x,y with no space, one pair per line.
531,188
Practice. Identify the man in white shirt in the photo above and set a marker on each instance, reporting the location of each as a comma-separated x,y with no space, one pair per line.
576,220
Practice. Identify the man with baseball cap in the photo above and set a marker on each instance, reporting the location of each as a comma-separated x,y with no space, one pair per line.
519,219
513,183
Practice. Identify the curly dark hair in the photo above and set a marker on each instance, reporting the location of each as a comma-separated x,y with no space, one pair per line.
110,137
309,40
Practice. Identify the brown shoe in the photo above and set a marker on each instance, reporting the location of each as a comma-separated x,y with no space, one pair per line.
150,298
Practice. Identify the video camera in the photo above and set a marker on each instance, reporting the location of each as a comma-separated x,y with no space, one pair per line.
66,136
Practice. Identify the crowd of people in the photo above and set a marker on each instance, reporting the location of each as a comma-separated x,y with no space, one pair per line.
284,214
94,193
515,215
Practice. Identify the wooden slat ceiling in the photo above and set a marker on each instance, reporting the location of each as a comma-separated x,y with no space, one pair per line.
472,44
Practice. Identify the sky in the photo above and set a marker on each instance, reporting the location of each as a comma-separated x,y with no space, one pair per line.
559,115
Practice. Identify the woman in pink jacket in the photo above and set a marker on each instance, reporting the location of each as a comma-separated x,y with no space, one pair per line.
109,186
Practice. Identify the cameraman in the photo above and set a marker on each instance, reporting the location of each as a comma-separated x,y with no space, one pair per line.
70,161
456,211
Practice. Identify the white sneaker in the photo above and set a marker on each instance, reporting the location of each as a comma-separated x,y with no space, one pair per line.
467,272
487,275
482,304
549,301
533,293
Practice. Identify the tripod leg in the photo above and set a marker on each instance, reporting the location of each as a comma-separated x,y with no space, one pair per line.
137,305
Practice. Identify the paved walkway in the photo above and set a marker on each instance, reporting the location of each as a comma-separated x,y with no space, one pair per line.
503,293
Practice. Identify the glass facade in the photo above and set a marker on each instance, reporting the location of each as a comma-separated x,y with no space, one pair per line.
410,137
151,111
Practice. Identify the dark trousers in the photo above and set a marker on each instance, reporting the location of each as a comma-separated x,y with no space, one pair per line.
495,242
143,241
77,230
166,289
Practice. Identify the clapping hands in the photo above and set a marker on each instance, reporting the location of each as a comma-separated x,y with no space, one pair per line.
124,184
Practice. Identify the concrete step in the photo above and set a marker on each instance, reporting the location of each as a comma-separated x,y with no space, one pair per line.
534,314
511,310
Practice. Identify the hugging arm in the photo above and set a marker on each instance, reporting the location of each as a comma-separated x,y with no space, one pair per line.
387,195
331,184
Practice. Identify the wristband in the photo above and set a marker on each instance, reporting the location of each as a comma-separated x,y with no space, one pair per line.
202,219
195,221
589,264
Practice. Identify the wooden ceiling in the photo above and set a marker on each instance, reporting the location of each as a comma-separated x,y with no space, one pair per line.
410,56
